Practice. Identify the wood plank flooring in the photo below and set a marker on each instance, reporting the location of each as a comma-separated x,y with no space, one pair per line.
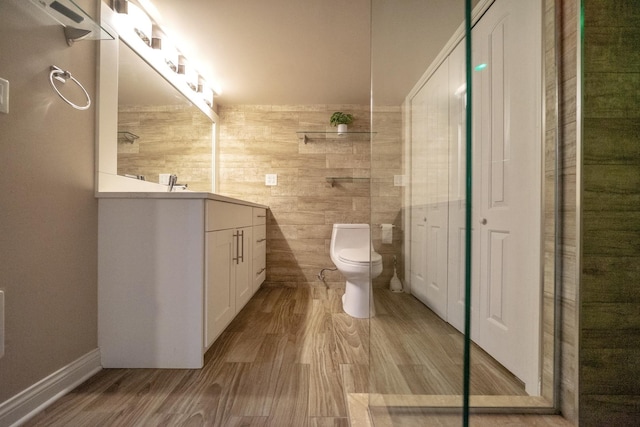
414,352
290,358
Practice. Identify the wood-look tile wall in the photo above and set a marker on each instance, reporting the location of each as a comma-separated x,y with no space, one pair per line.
261,139
567,208
173,139
610,274
551,130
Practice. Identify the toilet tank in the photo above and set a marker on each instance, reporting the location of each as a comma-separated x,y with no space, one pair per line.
350,236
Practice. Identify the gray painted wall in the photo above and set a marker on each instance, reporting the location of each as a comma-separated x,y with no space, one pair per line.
48,213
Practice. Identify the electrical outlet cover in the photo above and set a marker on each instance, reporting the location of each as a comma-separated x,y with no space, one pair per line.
271,179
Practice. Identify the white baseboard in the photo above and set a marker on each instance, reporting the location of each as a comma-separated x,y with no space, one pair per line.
26,404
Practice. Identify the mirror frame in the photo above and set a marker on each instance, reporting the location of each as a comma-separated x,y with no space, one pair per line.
107,178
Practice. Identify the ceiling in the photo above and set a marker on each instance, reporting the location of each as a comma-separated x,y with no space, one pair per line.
310,51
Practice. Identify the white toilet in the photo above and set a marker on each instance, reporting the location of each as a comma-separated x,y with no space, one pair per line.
352,253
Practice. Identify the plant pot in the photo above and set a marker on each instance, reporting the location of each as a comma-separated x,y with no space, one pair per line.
342,129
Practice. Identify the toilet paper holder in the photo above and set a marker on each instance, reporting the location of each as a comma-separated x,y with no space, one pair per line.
387,233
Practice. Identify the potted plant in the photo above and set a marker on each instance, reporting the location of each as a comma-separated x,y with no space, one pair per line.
341,120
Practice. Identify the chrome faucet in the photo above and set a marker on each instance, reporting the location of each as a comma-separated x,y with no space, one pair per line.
172,181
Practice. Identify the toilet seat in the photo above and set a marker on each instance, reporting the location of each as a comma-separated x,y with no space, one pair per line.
359,256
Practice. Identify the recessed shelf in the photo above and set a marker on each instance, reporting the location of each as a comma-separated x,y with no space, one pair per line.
307,135
78,25
333,179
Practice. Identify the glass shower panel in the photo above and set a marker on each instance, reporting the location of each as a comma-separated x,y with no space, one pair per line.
419,183
417,179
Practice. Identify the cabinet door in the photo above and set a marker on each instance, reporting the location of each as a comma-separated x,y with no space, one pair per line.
242,265
220,278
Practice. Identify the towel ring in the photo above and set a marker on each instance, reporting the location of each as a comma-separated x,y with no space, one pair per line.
63,76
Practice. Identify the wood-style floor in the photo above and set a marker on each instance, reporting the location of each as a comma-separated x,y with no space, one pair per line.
289,358
414,352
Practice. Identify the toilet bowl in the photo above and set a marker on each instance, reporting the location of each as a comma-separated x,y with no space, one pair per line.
352,253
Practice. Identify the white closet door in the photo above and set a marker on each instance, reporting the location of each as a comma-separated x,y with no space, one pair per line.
418,216
457,192
430,165
507,179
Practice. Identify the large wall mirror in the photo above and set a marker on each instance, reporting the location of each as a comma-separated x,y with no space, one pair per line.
150,121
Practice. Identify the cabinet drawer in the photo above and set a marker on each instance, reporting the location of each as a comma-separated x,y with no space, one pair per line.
222,215
259,275
259,235
259,216
259,267
259,254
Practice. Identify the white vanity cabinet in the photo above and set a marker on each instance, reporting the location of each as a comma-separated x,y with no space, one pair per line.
173,271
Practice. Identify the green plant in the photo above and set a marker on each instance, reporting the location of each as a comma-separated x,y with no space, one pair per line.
340,118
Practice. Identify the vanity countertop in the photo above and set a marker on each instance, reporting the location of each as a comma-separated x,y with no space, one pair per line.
174,195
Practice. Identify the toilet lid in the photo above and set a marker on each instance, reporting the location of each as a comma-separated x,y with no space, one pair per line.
360,255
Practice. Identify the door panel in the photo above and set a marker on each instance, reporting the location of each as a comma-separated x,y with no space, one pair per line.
457,189
430,168
507,180
419,254
497,253
220,276
418,273
437,281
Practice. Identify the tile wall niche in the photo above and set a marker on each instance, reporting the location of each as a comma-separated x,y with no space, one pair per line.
173,139
262,139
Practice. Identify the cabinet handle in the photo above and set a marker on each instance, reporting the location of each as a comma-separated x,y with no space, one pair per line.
261,216
260,240
237,257
241,235
261,270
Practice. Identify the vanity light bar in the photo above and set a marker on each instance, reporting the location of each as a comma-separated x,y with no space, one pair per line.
136,19
160,42
190,75
153,36
206,91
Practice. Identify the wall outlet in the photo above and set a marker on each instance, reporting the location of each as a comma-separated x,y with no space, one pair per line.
271,179
4,96
1,324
